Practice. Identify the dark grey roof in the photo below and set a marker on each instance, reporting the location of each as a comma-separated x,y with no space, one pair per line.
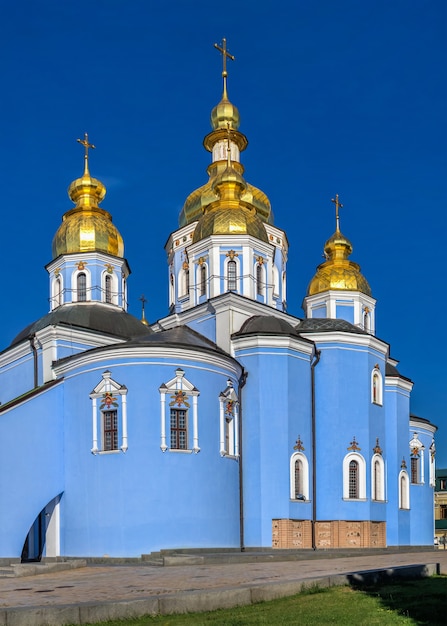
326,324
97,317
179,336
266,325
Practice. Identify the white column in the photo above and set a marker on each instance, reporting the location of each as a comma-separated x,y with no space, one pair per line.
422,466
195,426
94,449
221,427
236,429
124,409
163,445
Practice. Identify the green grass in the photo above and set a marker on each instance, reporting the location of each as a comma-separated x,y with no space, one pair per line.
422,601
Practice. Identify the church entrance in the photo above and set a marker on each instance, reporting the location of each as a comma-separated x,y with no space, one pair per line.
43,537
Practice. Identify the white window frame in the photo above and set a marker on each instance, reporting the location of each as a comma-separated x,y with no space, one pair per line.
404,490
376,374
237,262
378,489
299,456
263,285
57,294
108,386
179,383
88,284
354,456
113,288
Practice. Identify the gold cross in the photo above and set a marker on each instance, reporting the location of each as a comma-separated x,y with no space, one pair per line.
338,205
225,54
86,145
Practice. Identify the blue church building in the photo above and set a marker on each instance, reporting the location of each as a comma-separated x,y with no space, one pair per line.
229,423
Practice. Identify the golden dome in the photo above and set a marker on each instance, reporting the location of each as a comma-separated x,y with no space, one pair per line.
87,227
225,121
224,221
225,115
337,272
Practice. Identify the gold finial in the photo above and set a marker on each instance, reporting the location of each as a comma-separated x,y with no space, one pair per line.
143,317
86,145
225,54
338,205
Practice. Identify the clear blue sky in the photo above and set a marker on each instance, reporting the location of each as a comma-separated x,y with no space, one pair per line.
346,97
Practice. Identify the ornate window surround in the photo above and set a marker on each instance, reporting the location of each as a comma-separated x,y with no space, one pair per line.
177,388
112,395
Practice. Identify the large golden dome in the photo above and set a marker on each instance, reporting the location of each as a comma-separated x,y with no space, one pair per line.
225,121
338,272
87,227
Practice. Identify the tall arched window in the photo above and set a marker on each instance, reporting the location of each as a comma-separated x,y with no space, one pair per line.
259,286
203,280
108,288
58,291
376,386
366,321
81,286
404,490
377,478
299,477
232,275
353,479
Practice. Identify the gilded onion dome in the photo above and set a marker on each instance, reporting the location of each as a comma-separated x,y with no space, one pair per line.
225,122
229,214
338,272
87,227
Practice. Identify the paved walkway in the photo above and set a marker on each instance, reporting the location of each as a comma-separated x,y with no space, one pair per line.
104,592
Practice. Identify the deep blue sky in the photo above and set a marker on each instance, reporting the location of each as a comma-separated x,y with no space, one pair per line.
345,97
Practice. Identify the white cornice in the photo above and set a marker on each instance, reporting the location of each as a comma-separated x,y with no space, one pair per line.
156,353
417,425
342,337
400,383
246,342
14,353
61,332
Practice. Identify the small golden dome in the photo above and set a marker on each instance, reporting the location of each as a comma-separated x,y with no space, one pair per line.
337,272
225,115
87,227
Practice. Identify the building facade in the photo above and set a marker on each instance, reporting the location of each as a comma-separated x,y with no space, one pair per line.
229,423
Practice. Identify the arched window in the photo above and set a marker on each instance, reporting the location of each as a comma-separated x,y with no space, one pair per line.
232,275
376,386
203,279
186,283
57,293
366,321
377,478
299,477
108,288
404,490
259,285
354,477
81,286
